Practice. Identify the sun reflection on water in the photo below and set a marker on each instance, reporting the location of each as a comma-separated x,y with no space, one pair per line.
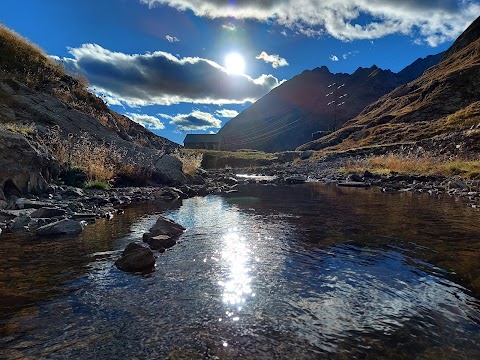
236,286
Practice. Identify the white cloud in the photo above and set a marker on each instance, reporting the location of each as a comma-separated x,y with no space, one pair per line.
274,59
196,120
148,121
284,32
226,113
164,79
350,53
172,39
229,27
333,57
434,21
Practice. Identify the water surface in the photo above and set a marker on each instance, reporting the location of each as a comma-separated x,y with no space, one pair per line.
307,271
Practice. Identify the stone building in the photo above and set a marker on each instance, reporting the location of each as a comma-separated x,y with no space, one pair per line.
202,141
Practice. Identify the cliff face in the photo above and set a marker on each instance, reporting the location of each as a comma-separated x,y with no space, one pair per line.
444,101
289,115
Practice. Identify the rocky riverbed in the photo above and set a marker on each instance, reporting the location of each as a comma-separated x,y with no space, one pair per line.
67,210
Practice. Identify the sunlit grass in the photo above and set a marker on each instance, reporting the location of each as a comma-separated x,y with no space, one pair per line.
24,129
422,165
213,159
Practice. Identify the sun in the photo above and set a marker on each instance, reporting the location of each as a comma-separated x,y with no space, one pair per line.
234,63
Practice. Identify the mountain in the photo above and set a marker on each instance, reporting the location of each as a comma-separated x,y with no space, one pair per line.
37,97
289,115
442,105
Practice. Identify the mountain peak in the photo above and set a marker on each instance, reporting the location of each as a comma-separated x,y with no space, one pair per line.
471,34
323,69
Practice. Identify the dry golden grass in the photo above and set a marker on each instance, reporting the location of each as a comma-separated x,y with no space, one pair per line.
24,129
423,165
191,160
25,61
466,117
100,161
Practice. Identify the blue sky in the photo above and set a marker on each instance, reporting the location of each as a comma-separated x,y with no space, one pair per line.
163,62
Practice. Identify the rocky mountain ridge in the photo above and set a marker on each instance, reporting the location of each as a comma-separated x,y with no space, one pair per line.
289,115
443,104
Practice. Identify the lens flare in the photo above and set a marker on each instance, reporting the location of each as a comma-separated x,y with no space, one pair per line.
234,63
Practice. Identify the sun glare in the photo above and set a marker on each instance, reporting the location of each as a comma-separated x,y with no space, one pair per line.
234,63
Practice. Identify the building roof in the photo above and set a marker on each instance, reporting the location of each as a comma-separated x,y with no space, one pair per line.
201,138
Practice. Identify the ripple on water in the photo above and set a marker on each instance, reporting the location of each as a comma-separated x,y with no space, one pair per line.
244,282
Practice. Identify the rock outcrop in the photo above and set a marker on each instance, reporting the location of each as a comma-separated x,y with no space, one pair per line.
24,167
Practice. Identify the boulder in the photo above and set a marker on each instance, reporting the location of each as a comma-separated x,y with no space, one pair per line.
354,178
168,170
164,226
73,192
46,212
62,227
160,242
21,223
25,167
136,259
132,247
170,194
457,184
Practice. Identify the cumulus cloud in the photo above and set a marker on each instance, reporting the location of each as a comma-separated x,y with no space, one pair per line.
226,113
196,120
172,39
333,57
274,59
164,79
434,21
148,121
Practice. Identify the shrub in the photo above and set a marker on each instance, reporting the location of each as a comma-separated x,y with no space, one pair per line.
100,185
99,161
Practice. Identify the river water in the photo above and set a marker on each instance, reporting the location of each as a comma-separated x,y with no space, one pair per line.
302,272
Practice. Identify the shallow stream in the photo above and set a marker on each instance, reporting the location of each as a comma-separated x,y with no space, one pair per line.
301,272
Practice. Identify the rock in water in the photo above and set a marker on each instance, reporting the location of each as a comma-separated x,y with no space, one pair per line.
131,247
164,226
160,241
136,258
62,227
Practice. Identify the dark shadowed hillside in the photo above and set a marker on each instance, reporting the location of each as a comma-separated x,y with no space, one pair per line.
443,104
289,115
36,96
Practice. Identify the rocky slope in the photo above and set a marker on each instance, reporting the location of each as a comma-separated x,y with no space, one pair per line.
441,108
289,115
37,95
